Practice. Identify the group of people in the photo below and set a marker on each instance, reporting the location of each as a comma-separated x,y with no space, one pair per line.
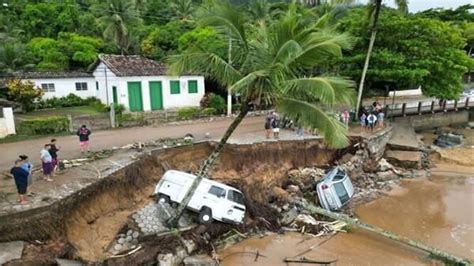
372,118
22,170
272,124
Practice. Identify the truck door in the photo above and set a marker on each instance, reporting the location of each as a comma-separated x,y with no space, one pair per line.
214,199
235,210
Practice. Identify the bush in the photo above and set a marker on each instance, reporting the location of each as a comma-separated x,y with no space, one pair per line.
43,126
208,111
71,100
188,113
214,101
25,93
131,117
236,107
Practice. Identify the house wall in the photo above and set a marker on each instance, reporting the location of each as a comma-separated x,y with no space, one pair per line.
7,123
65,86
183,99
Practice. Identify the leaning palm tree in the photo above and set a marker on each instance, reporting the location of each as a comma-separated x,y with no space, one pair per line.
119,14
273,65
374,11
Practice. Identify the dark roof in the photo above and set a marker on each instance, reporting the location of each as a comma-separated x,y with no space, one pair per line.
49,74
132,65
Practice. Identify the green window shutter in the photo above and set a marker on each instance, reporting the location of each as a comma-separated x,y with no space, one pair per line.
192,86
174,85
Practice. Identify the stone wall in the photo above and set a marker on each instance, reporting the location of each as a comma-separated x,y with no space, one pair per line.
441,119
376,143
94,122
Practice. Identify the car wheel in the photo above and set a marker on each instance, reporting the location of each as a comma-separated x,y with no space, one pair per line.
162,199
205,216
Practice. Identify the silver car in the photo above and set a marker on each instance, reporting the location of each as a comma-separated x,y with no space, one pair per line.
335,189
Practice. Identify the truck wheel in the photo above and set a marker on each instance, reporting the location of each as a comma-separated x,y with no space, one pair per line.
162,198
205,216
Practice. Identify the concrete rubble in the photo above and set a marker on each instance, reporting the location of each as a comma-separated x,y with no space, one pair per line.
11,251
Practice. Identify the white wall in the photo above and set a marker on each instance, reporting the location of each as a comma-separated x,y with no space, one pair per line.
103,75
7,123
183,99
416,92
65,86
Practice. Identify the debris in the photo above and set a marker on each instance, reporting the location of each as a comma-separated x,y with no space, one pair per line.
305,260
314,246
199,260
11,251
128,253
289,216
63,262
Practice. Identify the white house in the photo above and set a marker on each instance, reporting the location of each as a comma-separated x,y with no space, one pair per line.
139,83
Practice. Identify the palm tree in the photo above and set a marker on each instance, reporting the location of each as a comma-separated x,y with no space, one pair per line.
119,14
273,65
374,11
183,9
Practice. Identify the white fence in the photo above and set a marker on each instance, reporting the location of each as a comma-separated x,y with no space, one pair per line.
7,122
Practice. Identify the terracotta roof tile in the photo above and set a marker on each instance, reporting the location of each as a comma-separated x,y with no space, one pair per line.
132,65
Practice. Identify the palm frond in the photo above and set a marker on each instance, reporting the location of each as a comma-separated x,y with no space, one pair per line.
207,64
328,90
312,116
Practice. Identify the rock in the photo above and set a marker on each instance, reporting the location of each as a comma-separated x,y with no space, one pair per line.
280,194
166,260
404,159
63,262
118,247
135,234
470,124
199,260
385,176
189,245
305,219
128,238
289,216
293,189
129,232
11,251
346,158
449,140
384,165
121,240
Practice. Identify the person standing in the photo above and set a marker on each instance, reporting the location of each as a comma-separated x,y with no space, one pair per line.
276,127
268,126
54,154
46,161
84,134
21,181
371,119
345,118
380,118
363,119
28,167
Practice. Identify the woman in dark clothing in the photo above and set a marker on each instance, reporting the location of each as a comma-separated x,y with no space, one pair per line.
53,150
21,181
268,126
84,134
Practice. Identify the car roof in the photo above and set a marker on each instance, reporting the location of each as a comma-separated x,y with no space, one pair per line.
212,182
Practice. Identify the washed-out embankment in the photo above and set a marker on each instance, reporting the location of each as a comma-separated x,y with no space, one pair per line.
91,218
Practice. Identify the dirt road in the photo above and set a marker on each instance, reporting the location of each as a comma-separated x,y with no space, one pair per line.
250,127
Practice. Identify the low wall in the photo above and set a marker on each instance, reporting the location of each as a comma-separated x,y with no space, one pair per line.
441,119
94,122
415,92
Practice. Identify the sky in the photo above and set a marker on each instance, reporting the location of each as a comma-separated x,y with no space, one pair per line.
420,5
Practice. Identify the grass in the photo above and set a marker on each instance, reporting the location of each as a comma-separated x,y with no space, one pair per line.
79,110
15,138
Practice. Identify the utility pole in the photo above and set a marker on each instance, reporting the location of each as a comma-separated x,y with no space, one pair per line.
229,92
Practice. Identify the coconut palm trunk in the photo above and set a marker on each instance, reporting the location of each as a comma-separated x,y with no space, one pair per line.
208,163
378,5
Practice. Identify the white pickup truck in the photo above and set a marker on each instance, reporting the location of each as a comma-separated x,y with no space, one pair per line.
212,200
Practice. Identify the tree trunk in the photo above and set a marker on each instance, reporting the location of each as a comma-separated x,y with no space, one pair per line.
378,5
206,166
469,70
354,222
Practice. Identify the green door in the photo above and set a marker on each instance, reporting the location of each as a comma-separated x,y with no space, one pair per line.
156,97
135,96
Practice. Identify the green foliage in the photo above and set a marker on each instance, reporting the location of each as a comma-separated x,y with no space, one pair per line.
43,126
48,54
186,113
131,119
25,93
70,100
274,64
203,38
208,111
408,52
214,101
163,40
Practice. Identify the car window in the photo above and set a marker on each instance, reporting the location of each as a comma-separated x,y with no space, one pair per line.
341,192
235,196
339,175
217,191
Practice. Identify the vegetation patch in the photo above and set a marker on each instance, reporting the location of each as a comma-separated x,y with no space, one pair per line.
42,126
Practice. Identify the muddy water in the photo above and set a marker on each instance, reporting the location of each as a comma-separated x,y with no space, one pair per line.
357,248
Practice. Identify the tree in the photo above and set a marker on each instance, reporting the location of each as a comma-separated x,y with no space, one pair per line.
119,15
183,9
273,65
25,93
374,7
163,40
409,53
48,54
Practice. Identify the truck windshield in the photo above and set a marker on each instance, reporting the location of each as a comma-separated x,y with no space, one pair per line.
235,197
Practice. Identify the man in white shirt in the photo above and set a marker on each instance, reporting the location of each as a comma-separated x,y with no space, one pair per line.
371,119
47,162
